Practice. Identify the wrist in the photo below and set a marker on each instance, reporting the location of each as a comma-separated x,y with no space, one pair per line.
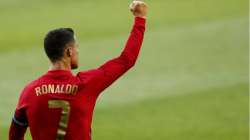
144,17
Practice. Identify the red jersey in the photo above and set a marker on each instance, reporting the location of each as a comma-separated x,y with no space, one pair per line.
59,105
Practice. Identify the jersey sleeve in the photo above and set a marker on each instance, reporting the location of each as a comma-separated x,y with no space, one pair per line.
16,132
20,117
19,122
110,71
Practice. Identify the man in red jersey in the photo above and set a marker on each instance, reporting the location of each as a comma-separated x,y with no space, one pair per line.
59,105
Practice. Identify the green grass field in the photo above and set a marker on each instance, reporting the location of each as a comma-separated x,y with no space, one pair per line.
190,82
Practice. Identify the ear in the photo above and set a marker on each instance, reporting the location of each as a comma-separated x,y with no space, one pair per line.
69,51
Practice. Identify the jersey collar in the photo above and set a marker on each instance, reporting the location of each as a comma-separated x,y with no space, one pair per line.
60,72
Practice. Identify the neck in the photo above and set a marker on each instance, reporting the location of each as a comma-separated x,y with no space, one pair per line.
60,65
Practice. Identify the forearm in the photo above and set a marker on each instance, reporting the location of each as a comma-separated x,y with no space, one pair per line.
116,67
134,43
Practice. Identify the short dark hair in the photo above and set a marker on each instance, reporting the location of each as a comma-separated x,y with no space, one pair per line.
55,42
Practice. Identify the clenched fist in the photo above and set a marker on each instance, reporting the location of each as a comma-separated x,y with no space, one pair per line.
139,8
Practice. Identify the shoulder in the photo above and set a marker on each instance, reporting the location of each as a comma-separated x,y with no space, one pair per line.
89,75
26,93
33,83
29,88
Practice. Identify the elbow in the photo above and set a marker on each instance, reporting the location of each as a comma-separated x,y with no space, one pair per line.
128,60
131,64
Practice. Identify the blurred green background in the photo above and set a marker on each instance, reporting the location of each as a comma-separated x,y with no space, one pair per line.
190,82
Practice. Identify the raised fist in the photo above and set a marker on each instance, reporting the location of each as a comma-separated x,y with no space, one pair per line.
138,8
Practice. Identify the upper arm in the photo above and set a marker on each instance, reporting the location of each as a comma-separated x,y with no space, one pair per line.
102,77
113,69
16,131
19,121
20,115
99,79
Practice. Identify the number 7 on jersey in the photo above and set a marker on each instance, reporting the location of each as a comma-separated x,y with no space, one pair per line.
63,124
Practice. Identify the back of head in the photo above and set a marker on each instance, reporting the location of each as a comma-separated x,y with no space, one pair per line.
56,41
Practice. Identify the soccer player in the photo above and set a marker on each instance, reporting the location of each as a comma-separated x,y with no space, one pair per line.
59,105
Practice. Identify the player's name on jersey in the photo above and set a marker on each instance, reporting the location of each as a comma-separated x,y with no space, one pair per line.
56,89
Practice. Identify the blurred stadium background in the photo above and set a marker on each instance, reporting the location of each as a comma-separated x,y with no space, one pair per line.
190,82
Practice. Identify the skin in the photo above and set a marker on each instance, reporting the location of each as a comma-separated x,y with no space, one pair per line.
70,57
